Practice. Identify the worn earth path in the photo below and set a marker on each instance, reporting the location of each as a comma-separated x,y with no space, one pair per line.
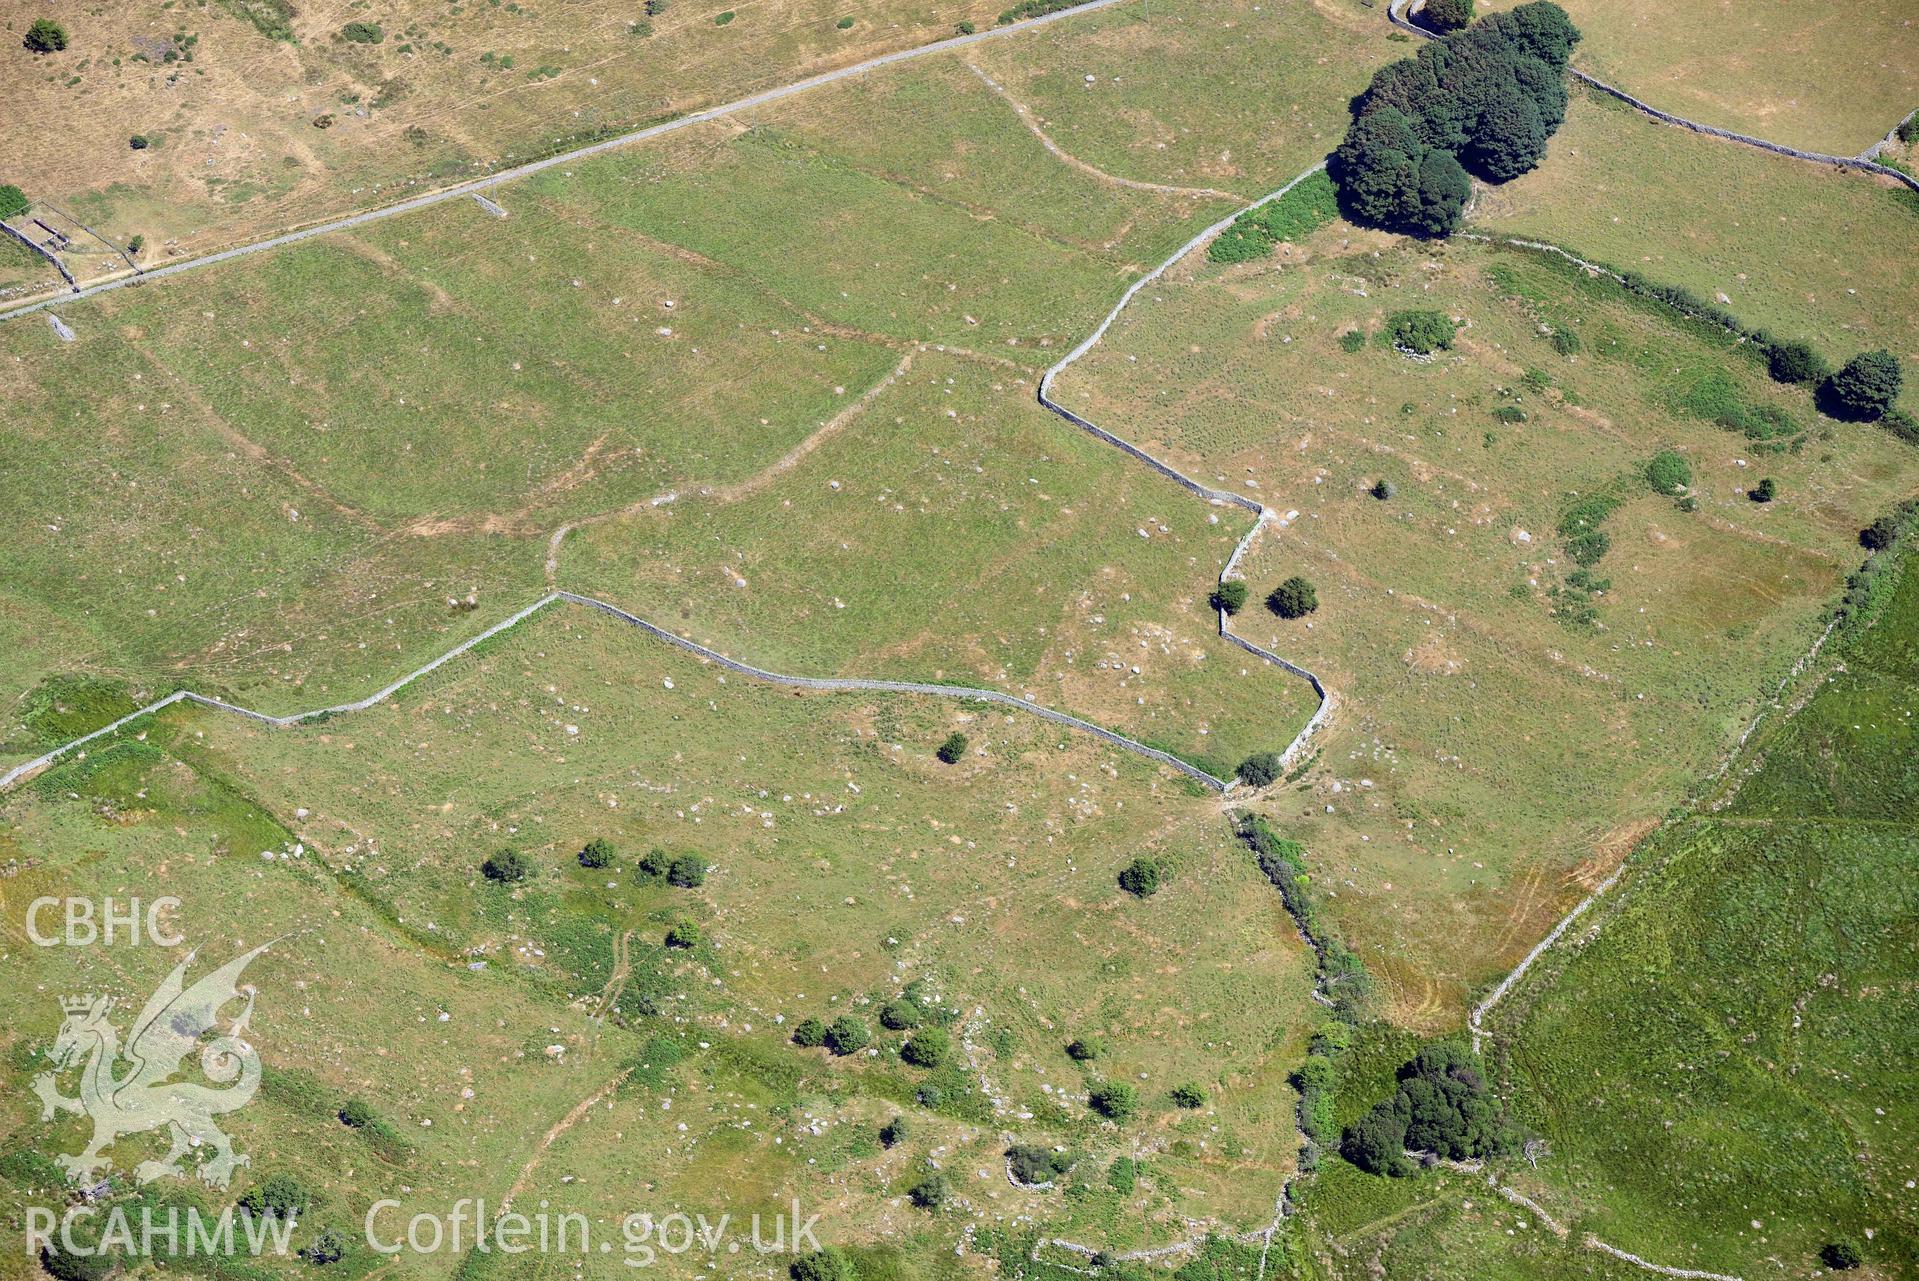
477,188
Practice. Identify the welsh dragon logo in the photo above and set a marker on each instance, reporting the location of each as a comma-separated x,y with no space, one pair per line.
130,1093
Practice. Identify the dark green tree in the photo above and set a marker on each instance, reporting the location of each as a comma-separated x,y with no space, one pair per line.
929,1191
1865,386
895,1132
1764,492
810,1033
1142,877
900,1014
823,1265
507,867
1294,598
928,1048
1189,1095
1794,361
1114,1100
953,748
1447,15
1259,769
687,871
1440,200
1084,1049
1841,1256
685,935
597,852
847,1035
1230,596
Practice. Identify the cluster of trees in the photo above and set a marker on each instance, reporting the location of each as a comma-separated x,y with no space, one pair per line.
1442,1106
687,871
1485,98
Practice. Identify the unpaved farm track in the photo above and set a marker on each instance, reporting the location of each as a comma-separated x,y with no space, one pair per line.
478,186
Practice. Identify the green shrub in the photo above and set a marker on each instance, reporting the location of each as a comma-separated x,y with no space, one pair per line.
277,1195
135,245
1294,598
724,18
823,1265
362,33
1447,15
1795,362
1383,490
1259,769
12,200
356,1114
1879,535
929,1192
1230,596
1421,330
901,1014
1669,473
1512,414
1352,340
75,1267
1032,1165
654,8
1841,1256
685,935
507,867
1189,1095
139,142
1141,878
327,1247
1764,492
1084,1049
810,1033
688,871
1114,1100
847,1035
1123,1175
895,1132
1565,342
928,1048
1308,206
597,852
953,748
966,28
845,24
1865,386
45,36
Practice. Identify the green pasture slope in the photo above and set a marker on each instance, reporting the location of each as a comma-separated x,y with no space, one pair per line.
1726,1073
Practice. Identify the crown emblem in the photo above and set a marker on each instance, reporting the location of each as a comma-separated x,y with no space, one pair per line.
77,1004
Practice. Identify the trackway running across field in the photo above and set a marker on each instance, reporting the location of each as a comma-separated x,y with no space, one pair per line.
477,186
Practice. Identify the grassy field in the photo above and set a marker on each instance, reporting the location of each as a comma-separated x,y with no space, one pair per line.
846,862
1721,1070
411,413
234,116
1802,250
1831,79
1507,728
